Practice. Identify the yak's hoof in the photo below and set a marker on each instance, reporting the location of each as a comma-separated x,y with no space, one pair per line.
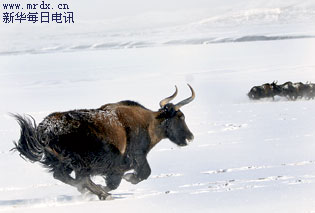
105,197
130,177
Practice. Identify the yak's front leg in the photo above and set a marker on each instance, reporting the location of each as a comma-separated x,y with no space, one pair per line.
112,181
142,170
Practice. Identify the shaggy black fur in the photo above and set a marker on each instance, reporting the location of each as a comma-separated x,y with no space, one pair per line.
28,145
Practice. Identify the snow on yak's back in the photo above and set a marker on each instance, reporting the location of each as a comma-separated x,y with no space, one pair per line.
108,141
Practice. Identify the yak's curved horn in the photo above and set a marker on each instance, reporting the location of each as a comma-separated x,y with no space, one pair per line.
168,99
186,101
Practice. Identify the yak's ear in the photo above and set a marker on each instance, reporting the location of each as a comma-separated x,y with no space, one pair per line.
167,111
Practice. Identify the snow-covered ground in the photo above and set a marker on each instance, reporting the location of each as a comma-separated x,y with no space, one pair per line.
247,156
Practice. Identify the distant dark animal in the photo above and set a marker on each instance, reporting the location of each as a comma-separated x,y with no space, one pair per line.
108,141
293,91
275,89
309,90
264,91
300,89
257,92
311,94
289,91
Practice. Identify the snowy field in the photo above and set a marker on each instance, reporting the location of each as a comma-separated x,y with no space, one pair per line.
247,156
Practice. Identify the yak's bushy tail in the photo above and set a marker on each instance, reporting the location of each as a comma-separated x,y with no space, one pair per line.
29,144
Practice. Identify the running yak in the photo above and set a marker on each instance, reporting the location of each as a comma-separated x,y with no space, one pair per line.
265,91
112,141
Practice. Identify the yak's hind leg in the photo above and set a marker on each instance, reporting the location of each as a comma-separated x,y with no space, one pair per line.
87,183
65,177
83,184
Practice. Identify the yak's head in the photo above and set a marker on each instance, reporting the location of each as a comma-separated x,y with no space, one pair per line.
254,93
173,120
276,89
